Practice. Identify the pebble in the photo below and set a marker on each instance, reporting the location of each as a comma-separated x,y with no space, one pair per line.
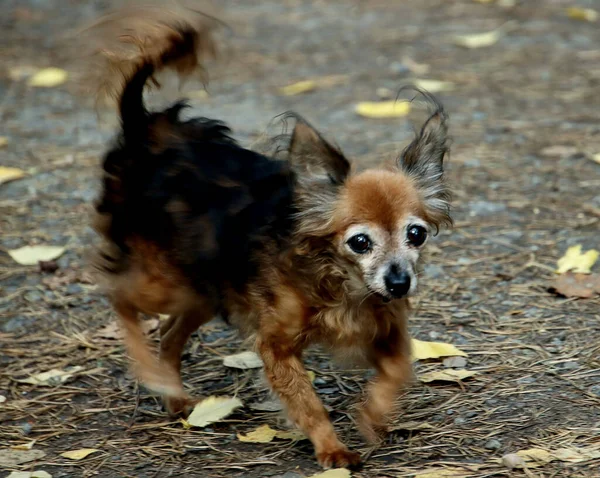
455,362
512,460
493,444
570,365
486,208
460,421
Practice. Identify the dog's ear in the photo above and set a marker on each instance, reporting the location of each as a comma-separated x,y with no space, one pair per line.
423,160
312,155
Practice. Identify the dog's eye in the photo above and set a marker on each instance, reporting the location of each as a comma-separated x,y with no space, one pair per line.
360,243
416,235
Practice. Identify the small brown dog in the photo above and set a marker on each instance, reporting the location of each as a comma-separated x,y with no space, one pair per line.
297,249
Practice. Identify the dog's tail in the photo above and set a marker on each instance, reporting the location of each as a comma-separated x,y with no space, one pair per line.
148,41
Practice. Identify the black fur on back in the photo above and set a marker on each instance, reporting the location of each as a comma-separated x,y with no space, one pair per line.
189,188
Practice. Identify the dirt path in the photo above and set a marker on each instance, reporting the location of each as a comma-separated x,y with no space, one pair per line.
518,206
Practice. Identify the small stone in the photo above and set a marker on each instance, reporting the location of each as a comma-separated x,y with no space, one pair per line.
434,335
328,391
2,399
512,460
434,271
493,444
570,365
26,428
73,289
460,421
455,362
33,296
486,208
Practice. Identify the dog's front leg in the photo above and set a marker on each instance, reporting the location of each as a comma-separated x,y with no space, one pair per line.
391,358
288,377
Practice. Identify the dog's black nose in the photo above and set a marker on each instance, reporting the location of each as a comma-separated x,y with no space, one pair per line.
397,282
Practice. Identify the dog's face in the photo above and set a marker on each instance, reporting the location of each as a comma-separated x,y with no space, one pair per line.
378,221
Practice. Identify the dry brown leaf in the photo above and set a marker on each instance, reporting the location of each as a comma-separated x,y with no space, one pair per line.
584,14
243,360
52,377
48,78
10,174
10,457
574,260
422,350
78,454
583,286
212,409
450,375
383,109
265,434
31,255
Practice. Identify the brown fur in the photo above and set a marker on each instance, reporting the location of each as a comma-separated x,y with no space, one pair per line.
308,288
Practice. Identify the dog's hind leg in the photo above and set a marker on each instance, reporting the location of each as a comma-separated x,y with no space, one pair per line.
157,376
175,333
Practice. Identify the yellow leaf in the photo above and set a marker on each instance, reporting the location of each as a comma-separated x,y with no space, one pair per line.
48,78
24,446
3,141
78,454
434,86
52,377
10,174
298,88
596,158
264,434
535,457
213,409
576,455
31,255
585,14
481,40
29,474
336,473
383,109
575,261
311,375
243,360
450,375
422,350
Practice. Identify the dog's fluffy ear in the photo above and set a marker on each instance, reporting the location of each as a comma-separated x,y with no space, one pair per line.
423,160
312,155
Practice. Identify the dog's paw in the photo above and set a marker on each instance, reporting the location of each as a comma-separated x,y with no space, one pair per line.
180,406
339,458
374,431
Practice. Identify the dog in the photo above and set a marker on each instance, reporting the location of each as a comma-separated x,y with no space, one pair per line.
295,247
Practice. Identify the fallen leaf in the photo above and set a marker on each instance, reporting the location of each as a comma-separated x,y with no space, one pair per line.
10,174
576,455
30,474
450,375
48,78
267,406
335,473
294,435
585,14
583,286
575,261
31,255
2,399
243,360
52,377
596,157
481,40
306,86
422,350
559,151
383,109
78,454
213,409
434,86
443,473
16,457
263,434
24,446
412,426
3,141
311,375
298,88
534,457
